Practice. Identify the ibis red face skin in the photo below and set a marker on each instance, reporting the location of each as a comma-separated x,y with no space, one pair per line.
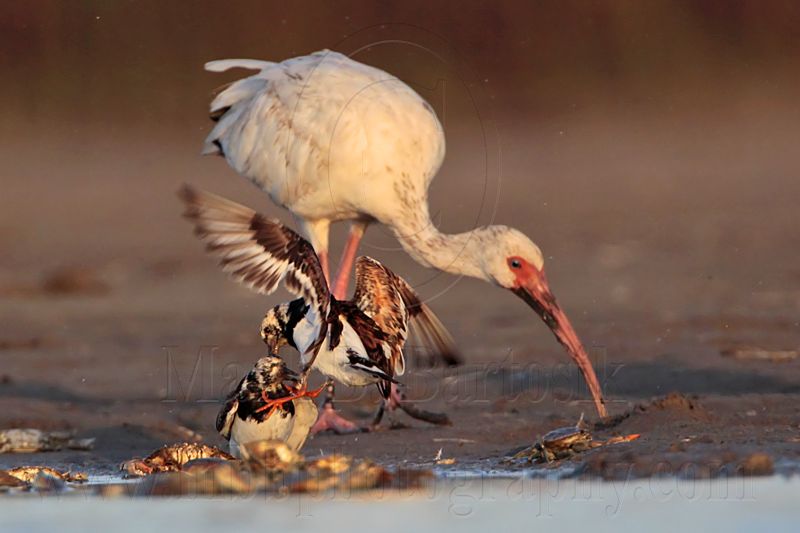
531,286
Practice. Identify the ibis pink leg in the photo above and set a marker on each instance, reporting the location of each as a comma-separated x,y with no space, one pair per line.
348,258
323,260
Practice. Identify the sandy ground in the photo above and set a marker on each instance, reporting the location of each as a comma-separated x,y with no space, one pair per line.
668,239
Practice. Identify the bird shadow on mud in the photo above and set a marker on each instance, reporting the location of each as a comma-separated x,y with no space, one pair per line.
634,380
647,379
32,390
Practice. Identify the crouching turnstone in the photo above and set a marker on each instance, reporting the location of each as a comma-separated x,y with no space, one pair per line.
268,404
358,342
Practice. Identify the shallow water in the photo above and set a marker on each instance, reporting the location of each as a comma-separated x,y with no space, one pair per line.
108,479
445,474
467,472
472,504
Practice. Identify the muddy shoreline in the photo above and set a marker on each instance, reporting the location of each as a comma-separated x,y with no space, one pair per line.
682,436
116,325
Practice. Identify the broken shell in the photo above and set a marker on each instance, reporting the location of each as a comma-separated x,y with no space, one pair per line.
206,464
566,437
270,455
171,458
135,468
28,474
7,480
335,464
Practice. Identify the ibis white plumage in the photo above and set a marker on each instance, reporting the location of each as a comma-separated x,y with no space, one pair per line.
332,139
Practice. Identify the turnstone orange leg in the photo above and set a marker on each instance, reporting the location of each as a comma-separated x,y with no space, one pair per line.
302,391
391,403
376,421
270,403
330,420
296,393
397,399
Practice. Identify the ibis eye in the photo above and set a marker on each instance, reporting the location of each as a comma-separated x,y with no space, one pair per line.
515,263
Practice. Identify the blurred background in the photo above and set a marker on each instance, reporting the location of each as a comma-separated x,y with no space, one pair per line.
649,148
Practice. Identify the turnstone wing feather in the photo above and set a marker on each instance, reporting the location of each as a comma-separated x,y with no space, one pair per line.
259,252
357,342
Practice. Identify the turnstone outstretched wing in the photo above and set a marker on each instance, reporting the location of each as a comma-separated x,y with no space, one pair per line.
259,252
356,342
266,405
366,335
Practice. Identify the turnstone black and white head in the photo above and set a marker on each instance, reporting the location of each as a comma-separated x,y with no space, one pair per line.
357,342
268,404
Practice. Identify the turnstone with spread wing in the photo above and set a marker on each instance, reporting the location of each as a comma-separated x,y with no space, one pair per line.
357,342
266,406
365,335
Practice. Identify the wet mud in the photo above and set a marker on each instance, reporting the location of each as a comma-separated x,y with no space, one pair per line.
117,327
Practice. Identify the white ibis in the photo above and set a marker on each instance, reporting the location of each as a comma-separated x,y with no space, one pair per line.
265,406
331,139
357,342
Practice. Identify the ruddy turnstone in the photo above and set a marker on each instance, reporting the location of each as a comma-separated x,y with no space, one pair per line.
267,405
357,342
